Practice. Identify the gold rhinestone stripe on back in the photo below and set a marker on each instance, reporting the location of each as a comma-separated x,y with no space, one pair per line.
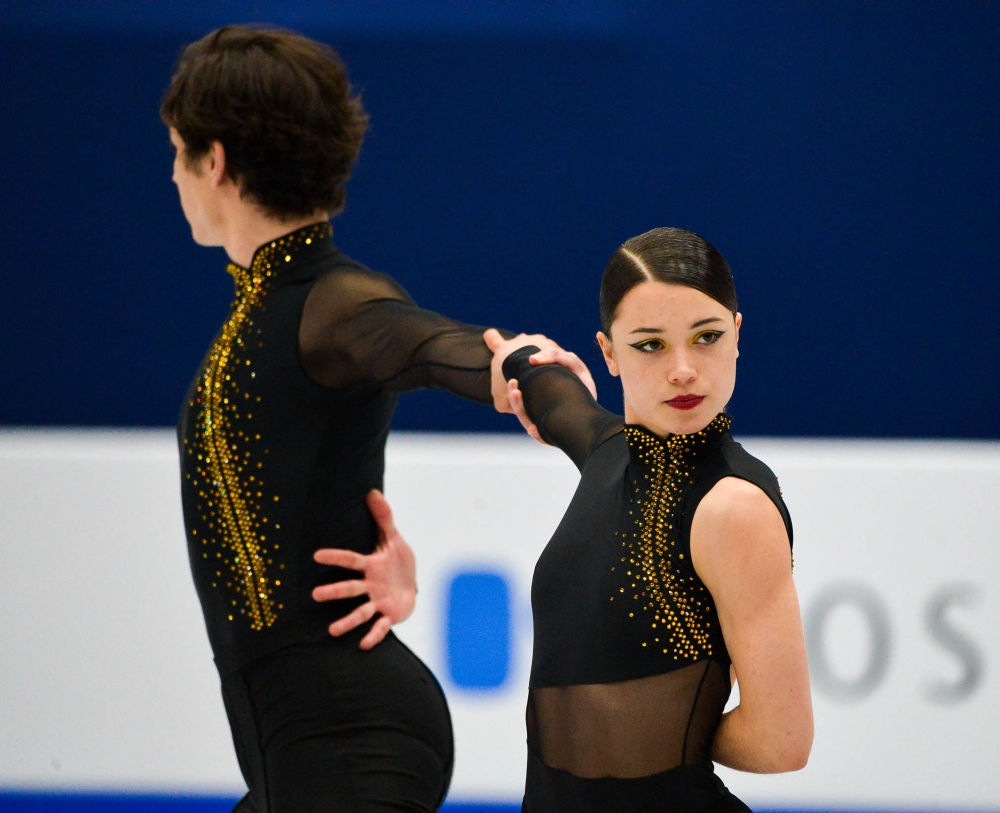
230,480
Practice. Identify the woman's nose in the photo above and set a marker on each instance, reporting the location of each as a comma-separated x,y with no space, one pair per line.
682,371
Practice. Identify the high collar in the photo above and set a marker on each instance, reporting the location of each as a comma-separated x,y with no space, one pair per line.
276,257
642,443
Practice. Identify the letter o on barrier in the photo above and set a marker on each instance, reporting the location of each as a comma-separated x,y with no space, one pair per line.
876,616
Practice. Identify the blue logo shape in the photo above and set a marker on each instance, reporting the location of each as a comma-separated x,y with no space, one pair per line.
478,635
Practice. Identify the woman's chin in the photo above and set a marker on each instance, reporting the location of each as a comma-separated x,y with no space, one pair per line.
686,422
663,419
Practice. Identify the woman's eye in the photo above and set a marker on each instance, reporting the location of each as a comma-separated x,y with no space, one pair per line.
708,337
648,346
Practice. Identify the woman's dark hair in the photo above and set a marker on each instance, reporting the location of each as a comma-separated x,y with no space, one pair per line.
282,108
674,256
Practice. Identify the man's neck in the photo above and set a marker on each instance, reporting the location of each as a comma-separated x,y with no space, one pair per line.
251,228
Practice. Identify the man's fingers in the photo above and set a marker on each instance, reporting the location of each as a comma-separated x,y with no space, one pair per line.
587,379
375,635
549,355
345,589
493,339
381,511
571,361
352,620
352,560
501,404
530,428
516,399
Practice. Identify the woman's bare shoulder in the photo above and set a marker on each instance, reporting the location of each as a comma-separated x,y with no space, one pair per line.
733,500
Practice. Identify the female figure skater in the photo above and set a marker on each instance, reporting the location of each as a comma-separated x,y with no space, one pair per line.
283,431
671,570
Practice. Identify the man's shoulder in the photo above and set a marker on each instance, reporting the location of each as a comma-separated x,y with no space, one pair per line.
348,280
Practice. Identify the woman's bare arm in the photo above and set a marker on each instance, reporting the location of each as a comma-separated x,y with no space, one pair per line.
739,548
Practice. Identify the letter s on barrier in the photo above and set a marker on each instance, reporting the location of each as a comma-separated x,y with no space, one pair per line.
955,641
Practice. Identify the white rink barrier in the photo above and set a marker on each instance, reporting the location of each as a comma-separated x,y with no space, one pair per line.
107,681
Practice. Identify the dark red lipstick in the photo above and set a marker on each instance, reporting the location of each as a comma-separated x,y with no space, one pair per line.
685,401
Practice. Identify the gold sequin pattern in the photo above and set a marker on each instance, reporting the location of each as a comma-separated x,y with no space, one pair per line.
659,580
228,474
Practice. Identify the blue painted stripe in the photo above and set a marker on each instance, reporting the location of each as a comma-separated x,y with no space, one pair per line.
36,802
111,803
24,802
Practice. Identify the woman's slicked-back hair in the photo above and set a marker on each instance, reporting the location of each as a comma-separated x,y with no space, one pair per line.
673,256
281,106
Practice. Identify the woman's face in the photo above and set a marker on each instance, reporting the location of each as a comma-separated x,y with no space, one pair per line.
674,349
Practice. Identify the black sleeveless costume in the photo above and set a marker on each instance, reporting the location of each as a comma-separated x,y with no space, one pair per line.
282,435
630,671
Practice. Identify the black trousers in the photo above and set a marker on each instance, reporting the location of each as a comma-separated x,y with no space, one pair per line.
326,728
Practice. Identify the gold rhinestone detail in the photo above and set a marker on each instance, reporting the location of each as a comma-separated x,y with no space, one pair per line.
228,478
677,604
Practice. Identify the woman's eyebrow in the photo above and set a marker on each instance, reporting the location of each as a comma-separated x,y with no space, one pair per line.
699,323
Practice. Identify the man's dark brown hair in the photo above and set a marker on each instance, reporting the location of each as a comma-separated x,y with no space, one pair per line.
281,106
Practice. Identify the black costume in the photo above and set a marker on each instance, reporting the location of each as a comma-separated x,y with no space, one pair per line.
630,672
282,435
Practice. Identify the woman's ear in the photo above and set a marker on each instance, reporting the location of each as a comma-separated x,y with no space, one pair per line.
739,321
609,353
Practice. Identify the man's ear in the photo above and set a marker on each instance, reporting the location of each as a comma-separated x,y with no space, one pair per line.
609,352
217,163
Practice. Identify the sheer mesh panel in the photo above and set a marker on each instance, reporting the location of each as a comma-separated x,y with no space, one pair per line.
562,408
629,729
359,326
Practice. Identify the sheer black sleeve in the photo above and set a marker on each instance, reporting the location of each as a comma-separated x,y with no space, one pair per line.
359,326
562,408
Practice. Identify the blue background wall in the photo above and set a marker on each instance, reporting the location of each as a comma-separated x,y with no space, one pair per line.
841,155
